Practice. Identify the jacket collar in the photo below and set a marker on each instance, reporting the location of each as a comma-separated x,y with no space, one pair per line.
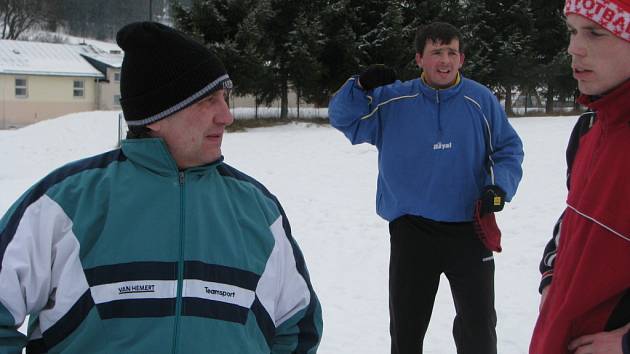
153,155
441,94
612,108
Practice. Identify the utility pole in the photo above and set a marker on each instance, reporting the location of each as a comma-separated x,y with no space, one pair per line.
150,10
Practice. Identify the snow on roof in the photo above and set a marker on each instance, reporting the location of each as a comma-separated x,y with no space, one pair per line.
107,53
101,45
36,58
112,58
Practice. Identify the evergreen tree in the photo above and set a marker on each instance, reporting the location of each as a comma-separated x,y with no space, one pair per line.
339,56
276,28
273,24
385,41
303,47
499,37
227,27
422,12
313,46
553,72
202,20
250,71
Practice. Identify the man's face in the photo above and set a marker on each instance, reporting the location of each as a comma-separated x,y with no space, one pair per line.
440,62
194,134
600,60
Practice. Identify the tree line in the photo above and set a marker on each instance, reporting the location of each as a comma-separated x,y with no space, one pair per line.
313,46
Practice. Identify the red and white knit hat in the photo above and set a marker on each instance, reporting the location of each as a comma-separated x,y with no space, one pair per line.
613,15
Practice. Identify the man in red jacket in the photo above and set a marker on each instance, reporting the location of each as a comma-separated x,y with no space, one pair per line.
585,305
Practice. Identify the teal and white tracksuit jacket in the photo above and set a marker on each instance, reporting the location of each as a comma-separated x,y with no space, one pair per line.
123,253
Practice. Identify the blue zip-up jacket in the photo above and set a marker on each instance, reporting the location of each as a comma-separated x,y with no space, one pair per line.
437,149
124,253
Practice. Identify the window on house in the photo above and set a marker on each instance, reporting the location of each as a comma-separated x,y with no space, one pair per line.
117,100
78,88
21,89
117,76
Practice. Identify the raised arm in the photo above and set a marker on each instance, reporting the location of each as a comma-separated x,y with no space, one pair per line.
354,109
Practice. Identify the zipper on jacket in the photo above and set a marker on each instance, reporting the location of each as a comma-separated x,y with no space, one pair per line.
180,263
439,117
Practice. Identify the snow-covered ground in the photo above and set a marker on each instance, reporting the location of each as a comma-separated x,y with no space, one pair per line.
327,189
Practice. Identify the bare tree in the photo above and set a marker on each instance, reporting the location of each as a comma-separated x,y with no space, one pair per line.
16,16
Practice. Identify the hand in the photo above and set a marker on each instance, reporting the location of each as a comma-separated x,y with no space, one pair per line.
376,75
600,343
492,199
543,297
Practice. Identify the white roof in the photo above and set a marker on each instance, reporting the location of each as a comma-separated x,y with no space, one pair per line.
36,58
100,45
109,54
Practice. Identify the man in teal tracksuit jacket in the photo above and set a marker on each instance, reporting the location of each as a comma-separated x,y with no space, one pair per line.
443,143
159,246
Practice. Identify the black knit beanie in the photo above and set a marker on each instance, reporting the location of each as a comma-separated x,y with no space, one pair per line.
163,72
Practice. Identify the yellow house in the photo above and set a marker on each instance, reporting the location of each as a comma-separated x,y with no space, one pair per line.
107,58
45,80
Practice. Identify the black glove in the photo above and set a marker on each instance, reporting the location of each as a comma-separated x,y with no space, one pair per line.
376,75
492,199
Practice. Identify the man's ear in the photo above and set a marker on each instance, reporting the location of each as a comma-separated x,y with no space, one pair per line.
419,60
155,127
461,60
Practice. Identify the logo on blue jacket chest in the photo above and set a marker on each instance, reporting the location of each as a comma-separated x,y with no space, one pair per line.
442,146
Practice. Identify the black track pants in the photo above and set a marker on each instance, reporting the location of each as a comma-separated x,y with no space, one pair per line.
421,250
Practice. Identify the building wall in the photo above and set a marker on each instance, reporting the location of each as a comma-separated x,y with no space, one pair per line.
48,97
108,91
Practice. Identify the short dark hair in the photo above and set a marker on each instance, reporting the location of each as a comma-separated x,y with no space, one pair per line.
440,32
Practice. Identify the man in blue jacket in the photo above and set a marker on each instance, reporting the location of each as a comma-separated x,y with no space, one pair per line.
444,146
159,246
